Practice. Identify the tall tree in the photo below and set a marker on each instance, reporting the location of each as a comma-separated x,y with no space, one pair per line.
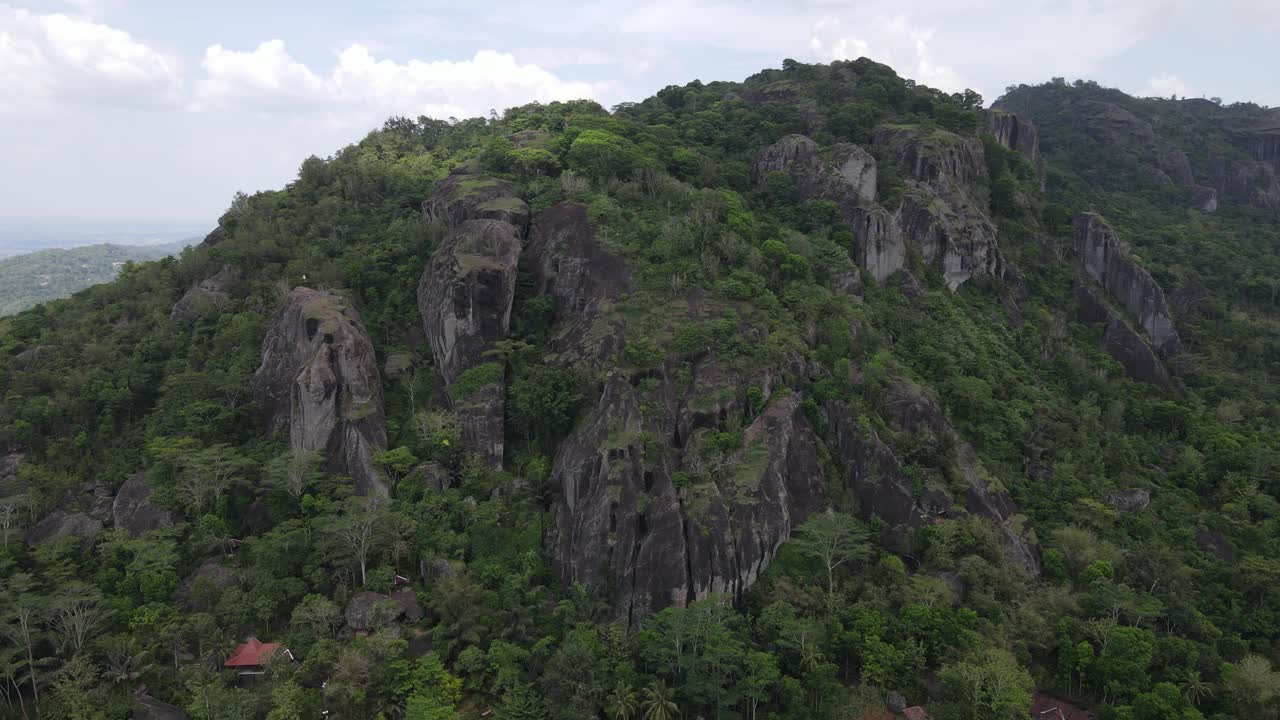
833,539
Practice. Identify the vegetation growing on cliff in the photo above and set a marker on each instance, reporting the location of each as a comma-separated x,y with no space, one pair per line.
1144,611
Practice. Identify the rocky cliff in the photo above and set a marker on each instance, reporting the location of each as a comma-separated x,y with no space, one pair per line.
319,382
465,296
1103,258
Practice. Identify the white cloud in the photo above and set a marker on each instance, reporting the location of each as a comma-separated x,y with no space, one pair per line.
363,86
893,41
47,58
1164,86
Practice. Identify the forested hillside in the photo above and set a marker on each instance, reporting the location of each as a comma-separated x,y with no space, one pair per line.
822,394
32,278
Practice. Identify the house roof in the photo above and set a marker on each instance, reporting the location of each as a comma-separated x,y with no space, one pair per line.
252,653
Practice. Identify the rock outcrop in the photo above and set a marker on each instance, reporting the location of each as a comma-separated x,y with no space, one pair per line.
1128,501
880,249
465,298
962,244
650,524
571,266
1204,199
367,611
61,523
200,590
1102,257
847,178
1119,339
146,707
940,213
133,511
463,196
319,382
208,297
1015,132
911,411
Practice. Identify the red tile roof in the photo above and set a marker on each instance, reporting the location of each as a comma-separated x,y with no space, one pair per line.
252,653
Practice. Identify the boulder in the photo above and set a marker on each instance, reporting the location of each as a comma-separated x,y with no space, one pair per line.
9,465
464,196
1128,501
1103,258
319,382
133,511
407,600
368,611
146,707
895,702
61,523
1119,338
435,476
199,591
1217,545
208,297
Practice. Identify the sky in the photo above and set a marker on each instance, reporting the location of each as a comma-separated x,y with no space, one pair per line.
154,112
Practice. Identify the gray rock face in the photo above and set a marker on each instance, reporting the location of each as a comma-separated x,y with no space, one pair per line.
880,247
580,275
1217,545
945,162
461,197
319,381
209,296
133,512
369,611
624,527
9,465
872,470
1250,182
939,213
962,244
200,590
1119,339
465,300
1204,199
146,707
60,523
1101,256
848,179
1015,132
1128,501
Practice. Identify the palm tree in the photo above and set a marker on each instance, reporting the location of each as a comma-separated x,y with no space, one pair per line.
622,702
659,702
1196,689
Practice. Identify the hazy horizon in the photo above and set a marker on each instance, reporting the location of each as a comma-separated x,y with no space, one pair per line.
23,235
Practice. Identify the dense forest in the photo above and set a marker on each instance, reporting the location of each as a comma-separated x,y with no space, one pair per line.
32,278
820,395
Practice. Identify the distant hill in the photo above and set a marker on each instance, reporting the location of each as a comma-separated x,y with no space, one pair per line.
30,279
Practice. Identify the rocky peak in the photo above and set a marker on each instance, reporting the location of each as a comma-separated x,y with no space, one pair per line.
1101,256
947,163
319,381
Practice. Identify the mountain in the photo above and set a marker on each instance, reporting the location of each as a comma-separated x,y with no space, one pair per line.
821,394
44,275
